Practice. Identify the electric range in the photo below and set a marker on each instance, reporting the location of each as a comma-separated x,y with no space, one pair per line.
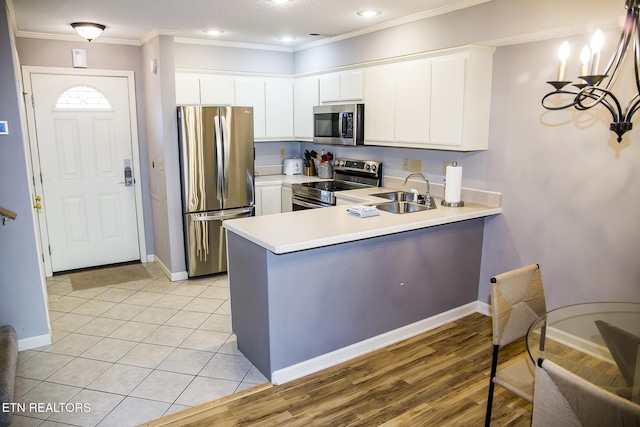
349,174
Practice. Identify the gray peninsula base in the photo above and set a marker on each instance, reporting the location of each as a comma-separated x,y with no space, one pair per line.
293,307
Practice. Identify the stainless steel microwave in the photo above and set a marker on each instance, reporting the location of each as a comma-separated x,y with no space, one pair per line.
338,124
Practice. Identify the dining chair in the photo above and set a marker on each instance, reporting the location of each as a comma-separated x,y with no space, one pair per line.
517,299
562,398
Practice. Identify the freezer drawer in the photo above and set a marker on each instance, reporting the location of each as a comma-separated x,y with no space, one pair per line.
205,241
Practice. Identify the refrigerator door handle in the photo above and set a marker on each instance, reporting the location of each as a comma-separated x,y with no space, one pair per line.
219,178
218,216
225,140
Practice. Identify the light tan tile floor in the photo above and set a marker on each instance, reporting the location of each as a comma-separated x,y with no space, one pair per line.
131,352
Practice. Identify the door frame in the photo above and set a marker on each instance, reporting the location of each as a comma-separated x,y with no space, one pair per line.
32,149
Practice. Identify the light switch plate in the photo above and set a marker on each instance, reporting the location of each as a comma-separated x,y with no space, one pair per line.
4,128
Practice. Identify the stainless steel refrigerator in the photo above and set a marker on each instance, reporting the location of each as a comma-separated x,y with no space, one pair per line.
216,159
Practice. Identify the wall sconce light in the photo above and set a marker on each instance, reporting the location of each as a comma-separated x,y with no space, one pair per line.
591,89
88,30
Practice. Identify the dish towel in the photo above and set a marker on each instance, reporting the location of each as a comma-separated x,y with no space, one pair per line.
363,211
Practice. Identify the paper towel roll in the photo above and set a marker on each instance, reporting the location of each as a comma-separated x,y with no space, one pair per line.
453,184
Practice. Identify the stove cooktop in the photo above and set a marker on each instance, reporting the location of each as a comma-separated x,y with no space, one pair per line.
349,175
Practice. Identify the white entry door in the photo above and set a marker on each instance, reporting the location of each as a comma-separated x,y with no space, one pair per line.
83,133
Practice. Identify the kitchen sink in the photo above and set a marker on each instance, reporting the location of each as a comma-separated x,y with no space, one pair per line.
404,207
398,196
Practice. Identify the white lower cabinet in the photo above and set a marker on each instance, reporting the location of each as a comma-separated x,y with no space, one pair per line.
268,199
285,197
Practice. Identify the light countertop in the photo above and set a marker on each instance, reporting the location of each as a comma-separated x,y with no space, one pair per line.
308,229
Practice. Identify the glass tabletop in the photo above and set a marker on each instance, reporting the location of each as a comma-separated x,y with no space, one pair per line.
598,341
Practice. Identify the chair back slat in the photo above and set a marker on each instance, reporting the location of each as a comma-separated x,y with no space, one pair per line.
517,299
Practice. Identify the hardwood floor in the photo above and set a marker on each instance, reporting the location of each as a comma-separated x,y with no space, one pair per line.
439,378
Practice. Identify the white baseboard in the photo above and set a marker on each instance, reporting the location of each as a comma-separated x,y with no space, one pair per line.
151,258
598,351
325,361
483,308
174,277
34,342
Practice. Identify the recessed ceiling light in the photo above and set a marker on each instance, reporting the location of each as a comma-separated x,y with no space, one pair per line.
214,32
280,1
369,13
286,38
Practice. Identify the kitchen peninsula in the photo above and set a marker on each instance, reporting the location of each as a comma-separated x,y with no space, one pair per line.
315,287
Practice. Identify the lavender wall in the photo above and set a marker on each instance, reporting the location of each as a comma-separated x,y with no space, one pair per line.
22,296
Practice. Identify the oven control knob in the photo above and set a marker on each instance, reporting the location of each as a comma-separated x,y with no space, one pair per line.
373,168
367,166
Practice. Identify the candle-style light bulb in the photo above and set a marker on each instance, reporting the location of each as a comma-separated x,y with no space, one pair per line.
597,41
585,57
563,54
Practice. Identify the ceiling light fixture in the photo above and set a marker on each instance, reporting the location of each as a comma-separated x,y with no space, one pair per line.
214,32
286,38
280,1
591,90
88,30
369,13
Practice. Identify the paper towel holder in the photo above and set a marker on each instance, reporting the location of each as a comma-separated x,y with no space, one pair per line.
451,204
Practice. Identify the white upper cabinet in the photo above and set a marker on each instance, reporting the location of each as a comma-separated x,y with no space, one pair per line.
279,108
437,100
271,99
305,97
250,92
379,109
440,102
187,89
413,102
343,86
217,90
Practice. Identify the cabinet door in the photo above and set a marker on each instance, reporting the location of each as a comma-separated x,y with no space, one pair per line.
379,111
447,101
187,90
216,90
305,97
286,195
330,87
351,86
412,102
279,108
271,199
250,93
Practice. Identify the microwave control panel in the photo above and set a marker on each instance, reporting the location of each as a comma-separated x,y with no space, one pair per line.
347,125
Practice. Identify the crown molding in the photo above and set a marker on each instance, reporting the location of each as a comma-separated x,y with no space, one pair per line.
394,23
184,40
74,38
556,33
155,33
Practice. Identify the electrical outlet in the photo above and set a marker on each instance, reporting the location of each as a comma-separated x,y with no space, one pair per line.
415,165
405,164
282,153
444,167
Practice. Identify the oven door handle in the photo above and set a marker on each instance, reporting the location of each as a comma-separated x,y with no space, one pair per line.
307,204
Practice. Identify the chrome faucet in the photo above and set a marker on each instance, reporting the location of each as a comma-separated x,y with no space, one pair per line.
427,196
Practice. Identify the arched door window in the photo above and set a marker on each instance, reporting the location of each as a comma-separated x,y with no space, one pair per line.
82,98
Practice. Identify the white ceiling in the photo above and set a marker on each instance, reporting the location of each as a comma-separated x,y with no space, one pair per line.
255,22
